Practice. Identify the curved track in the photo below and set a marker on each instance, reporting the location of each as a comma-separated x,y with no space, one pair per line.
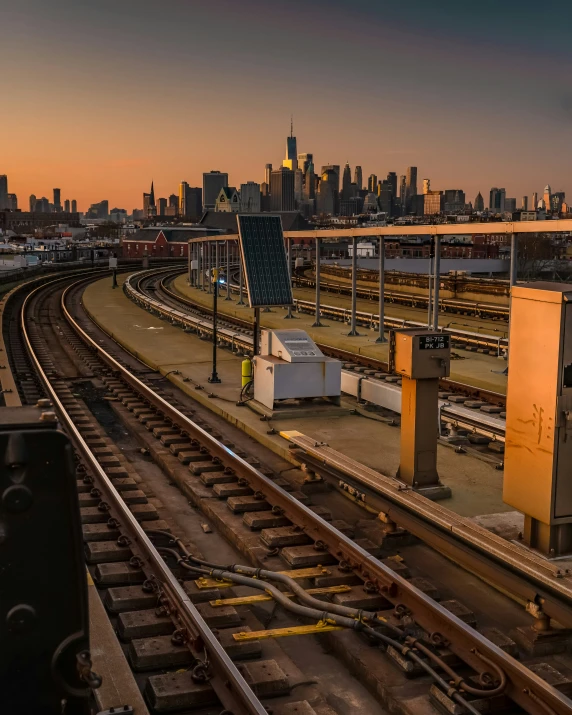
419,629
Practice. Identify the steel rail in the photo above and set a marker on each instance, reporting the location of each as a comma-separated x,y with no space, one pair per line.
228,683
507,566
524,687
346,355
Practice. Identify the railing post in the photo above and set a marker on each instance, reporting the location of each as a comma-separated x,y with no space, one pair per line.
228,244
381,338
317,323
436,282
353,330
288,315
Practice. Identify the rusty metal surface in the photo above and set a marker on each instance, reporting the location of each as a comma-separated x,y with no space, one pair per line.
230,686
467,643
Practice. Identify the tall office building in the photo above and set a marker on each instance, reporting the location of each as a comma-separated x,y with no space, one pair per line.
557,199
372,184
74,206
534,200
57,200
346,183
547,196
497,200
33,202
432,202
426,186
173,201
298,185
267,173
385,197
213,182
250,197
304,160
183,187
291,159
454,200
358,178
411,181
12,202
524,205
190,201
333,178
67,206
3,192
479,202
310,183
161,207
282,190
42,205
328,195
392,181
403,194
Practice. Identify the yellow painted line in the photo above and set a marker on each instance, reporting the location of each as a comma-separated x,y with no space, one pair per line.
320,627
89,579
245,600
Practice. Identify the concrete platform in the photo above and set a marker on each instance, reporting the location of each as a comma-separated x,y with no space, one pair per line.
474,369
476,485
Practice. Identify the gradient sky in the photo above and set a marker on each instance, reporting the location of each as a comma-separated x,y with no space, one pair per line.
101,97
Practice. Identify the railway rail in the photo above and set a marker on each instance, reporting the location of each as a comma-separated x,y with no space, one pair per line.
152,291
410,300
469,671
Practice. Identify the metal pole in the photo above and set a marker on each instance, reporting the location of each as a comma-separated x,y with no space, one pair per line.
189,262
228,271
256,331
288,315
201,265
353,330
381,338
317,323
436,282
214,377
513,259
240,282
430,296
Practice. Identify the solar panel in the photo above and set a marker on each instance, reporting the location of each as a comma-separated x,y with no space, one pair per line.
264,260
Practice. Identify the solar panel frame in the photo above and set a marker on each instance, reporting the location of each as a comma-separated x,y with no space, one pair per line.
264,260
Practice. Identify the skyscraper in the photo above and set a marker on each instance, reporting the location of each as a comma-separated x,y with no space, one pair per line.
346,182
190,201
534,200
426,186
479,202
403,194
358,179
282,190
213,182
74,206
267,173
67,206
291,159
524,205
411,181
298,185
497,200
173,201
33,202
385,193
372,184
392,180
161,207
3,192
57,200
310,183
250,197
304,160
547,196
12,202
328,198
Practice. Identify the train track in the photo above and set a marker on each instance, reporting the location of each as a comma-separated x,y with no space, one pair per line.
483,309
144,285
464,670
362,376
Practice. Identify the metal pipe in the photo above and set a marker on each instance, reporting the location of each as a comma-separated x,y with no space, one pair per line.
353,330
436,282
381,338
317,323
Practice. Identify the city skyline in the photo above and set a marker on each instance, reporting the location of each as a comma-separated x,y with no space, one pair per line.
473,104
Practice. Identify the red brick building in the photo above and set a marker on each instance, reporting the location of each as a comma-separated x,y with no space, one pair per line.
163,242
